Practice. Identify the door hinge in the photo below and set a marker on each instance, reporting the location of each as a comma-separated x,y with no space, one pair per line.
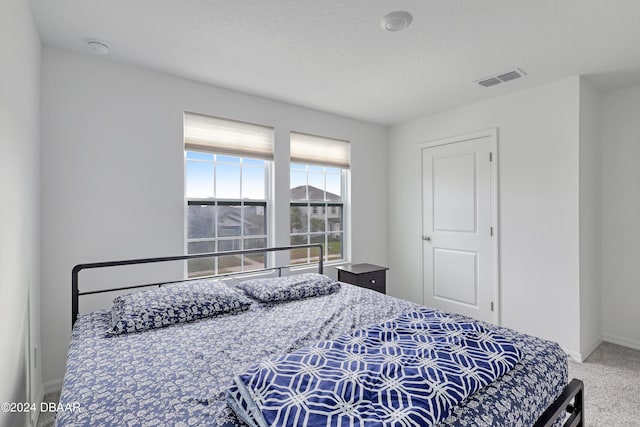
491,305
491,231
490,156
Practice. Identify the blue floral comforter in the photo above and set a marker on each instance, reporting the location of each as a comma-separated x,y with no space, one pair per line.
179,375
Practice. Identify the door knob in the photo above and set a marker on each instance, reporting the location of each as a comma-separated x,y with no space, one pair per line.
426,238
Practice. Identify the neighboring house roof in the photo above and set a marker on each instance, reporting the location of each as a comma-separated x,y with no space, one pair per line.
232,218
300,193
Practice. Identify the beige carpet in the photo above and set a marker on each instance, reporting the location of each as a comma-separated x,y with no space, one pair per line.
611,377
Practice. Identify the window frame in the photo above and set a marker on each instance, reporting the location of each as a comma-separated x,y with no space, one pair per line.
215,201
310,204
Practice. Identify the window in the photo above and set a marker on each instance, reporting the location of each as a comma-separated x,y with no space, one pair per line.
226,211
318,177
226,190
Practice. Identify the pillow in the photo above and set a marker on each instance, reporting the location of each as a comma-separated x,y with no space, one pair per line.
289,288
174,303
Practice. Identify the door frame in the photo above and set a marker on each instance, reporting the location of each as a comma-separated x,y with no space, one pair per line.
492,134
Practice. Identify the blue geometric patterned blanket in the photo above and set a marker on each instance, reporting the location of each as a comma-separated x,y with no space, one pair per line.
411,370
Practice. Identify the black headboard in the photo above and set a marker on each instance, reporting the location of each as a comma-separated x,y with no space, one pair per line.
75,291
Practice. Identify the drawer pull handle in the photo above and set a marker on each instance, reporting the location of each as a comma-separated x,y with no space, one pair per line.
373,281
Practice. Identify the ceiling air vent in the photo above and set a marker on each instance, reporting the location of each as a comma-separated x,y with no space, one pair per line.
489,82
509,76
501,78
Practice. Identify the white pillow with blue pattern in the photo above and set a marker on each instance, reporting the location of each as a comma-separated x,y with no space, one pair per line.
174,303
289,288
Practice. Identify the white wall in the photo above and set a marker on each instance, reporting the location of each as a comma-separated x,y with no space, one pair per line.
113,171
538,205
590,219
19,206
620,214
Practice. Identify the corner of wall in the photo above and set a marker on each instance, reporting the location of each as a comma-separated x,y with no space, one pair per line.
590,218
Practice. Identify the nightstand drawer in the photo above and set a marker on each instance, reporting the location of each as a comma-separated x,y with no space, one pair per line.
375,281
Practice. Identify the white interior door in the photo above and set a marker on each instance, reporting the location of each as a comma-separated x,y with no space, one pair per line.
459,234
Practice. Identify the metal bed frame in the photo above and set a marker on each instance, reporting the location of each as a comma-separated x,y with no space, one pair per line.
76,294
569,403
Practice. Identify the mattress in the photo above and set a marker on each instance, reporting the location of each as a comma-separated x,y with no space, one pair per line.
179,375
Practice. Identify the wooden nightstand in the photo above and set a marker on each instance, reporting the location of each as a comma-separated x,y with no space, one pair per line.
365,275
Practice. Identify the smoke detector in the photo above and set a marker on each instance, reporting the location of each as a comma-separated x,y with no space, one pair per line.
98,47
396,21
501,78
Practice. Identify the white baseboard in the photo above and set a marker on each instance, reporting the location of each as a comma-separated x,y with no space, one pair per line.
52,386
580,356
574,355
626,342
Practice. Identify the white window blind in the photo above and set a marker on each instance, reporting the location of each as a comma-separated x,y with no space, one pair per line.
311,149
225,136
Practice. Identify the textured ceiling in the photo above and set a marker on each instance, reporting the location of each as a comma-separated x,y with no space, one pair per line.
332,55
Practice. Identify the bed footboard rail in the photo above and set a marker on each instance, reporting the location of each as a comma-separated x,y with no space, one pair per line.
570,401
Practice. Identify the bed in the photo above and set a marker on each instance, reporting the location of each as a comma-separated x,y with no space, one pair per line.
181,374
